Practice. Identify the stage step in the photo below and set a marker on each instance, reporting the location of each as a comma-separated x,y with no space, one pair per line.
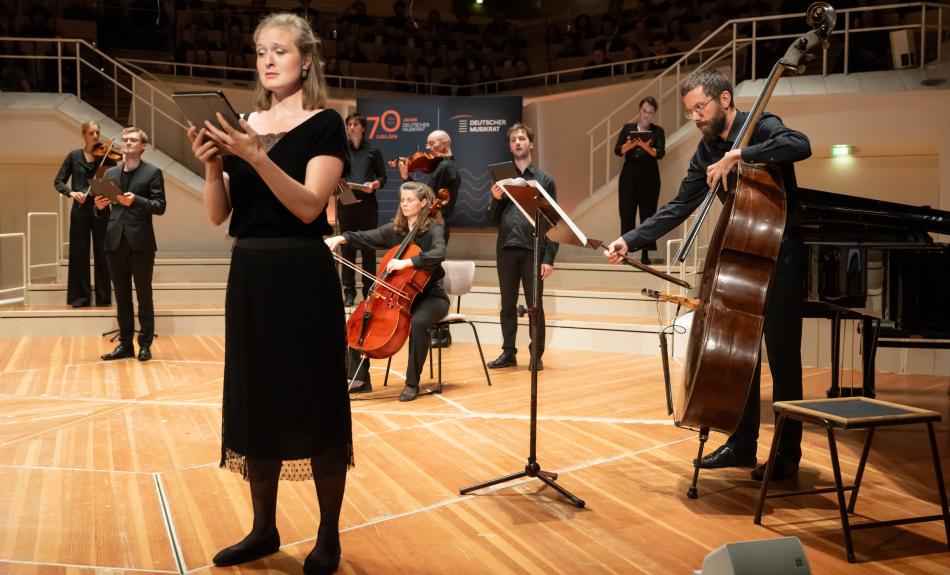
565,330
590,299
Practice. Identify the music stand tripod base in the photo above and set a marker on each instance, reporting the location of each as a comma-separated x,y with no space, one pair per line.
532,201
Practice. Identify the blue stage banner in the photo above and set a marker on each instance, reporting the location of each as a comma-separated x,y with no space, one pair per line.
478,127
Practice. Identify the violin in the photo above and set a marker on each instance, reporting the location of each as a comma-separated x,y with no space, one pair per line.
379,326
107,155
105,151
419,162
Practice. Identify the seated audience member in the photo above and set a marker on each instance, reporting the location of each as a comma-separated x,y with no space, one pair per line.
595,68
463,24
350,51
409,78
583,27
430,56
390,54
569,48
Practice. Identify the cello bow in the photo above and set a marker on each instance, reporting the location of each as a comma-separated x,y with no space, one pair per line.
597,244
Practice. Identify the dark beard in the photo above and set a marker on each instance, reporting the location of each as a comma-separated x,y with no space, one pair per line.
715,126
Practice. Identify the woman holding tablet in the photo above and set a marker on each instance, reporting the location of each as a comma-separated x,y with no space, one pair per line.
286,413
640,143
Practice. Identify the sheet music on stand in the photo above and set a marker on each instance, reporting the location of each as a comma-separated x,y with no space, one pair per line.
344,192
529,195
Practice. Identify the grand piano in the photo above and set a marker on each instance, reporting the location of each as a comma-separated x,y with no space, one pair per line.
876,262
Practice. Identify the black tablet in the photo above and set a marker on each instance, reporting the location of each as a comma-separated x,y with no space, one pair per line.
502,171
635,135
201,106
108,188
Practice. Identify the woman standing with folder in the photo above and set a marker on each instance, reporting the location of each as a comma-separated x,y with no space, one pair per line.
640,177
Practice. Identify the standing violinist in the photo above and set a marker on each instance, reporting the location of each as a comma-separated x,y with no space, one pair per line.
432,303
365,167
708,99
78,168
444,176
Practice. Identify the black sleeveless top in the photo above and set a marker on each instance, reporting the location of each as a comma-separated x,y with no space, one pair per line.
256,211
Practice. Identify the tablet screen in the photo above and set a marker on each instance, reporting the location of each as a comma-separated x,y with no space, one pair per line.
201,106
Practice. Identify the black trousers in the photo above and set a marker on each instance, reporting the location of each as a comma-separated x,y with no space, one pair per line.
357,217
639,189
124,266
83,224
783,337
426,312
516,265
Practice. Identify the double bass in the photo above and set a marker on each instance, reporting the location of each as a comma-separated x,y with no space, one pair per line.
725,339
379,326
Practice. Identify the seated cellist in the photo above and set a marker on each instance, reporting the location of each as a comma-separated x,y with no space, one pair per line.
708,99
431,304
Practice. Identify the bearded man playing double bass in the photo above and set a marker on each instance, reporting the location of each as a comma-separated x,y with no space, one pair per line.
708,99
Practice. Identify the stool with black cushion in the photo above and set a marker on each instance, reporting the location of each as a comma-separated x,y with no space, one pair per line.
854,413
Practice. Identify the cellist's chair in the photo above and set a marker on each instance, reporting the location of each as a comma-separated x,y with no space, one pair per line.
459,277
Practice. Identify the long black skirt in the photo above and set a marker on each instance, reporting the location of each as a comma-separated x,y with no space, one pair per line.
285,398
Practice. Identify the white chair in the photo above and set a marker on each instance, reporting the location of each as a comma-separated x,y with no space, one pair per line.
459,277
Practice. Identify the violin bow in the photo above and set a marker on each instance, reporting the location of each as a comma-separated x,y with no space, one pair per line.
597,244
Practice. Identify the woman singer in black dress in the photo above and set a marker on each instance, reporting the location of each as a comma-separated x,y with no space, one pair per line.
286,413
640,177
432,303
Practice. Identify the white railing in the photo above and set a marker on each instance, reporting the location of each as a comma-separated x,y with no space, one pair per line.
743,40
619,70
25,275
126,84
30,266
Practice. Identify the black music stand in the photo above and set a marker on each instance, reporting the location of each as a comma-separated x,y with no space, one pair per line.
547,217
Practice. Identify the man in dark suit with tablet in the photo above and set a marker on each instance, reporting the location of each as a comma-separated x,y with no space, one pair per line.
130,242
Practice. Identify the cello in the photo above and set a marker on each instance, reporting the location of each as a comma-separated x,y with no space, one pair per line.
725,339
379,326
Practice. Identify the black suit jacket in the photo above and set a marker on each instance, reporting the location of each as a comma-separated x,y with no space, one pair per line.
135,221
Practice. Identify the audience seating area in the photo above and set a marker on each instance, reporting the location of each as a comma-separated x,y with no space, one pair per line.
489,51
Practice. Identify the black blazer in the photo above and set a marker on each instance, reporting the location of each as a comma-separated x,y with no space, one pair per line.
135,221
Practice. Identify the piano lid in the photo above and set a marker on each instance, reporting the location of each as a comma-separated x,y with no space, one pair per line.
826,207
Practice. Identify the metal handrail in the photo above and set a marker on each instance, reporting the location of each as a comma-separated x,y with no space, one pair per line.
539,79
148,98
29,244
610,127
23,287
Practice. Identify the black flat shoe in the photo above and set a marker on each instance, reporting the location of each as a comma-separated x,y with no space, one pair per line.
540,365
120,352
245,553
409,393
727,456
313,566
359,386
784,469
506,359
349,301
145,354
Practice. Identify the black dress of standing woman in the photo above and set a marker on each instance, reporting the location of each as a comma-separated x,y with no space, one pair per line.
84,221
432,303
286,414
640,177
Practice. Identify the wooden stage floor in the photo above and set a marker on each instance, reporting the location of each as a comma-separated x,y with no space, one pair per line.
113,467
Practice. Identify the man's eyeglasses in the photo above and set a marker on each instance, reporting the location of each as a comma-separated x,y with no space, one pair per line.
697,110
131,140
